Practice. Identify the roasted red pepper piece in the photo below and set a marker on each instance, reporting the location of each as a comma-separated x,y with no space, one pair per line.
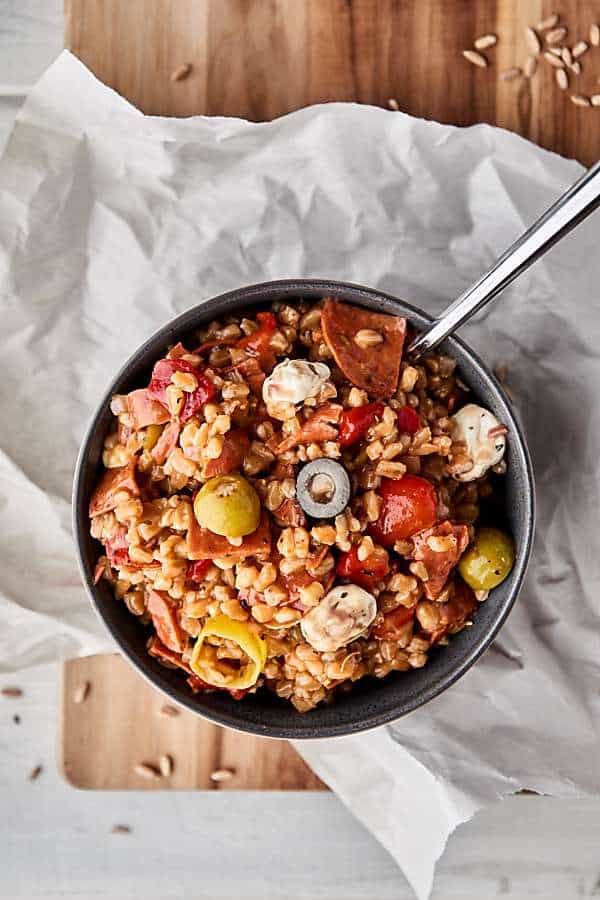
408,506
366,573
197,570
409,421
393,623
235,447
257,343
193,401
354,423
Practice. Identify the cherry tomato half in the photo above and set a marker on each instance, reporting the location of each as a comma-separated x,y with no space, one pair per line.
366,573
409,421
408,505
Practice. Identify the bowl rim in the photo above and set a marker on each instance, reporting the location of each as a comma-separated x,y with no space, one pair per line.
172,330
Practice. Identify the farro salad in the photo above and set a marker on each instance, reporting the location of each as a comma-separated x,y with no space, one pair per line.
290,504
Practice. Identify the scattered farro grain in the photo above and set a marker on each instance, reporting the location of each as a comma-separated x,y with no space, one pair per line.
562,79
485,41
575,68
12,692
595,99
510,74
181,72
477,59
533,41
530,66
595,35
580,100
35,773
557,51
556,35
120,829
222,775
81,692
549,22
168,711
366,338
567,56
579,49
555,61
393,104
146,770
165,764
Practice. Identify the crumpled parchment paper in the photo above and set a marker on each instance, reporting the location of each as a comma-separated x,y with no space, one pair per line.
112,222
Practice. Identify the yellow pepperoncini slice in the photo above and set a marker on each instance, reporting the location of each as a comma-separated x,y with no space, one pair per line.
203,663
153,432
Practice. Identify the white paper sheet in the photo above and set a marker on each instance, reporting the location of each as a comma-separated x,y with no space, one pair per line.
112,222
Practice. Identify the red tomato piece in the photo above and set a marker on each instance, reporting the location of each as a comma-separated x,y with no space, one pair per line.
354,423
193,401
197,570
394,622
409,420
365,573
408,505
235,447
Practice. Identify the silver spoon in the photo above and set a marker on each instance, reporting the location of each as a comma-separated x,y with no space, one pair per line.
573,207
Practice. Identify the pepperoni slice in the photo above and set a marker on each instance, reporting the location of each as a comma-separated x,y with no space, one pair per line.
204,544
374,369
439,563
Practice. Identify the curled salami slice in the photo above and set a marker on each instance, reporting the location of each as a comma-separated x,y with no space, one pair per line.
113,481
456,611
439,549
204,544
164,619
236,445
369,363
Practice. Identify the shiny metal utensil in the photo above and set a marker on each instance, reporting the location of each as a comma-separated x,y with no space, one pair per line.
569,210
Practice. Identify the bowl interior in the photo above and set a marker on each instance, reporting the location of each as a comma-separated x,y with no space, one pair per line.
370,702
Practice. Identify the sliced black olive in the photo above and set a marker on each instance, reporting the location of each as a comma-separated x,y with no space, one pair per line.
323,488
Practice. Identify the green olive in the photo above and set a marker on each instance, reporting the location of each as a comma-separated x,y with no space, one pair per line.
228,505
488,560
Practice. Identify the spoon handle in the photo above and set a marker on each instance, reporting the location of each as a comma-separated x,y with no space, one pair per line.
573,207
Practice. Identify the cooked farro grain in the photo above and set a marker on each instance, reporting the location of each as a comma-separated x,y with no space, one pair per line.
254,594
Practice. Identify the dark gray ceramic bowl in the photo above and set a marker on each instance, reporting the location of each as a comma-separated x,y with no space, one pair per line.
371,702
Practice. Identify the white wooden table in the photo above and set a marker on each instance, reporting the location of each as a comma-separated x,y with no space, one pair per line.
56,842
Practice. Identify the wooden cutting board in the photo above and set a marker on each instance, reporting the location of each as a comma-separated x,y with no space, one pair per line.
119,726
258,60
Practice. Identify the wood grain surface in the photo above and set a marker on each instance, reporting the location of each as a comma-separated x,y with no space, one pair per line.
119,725
261,58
